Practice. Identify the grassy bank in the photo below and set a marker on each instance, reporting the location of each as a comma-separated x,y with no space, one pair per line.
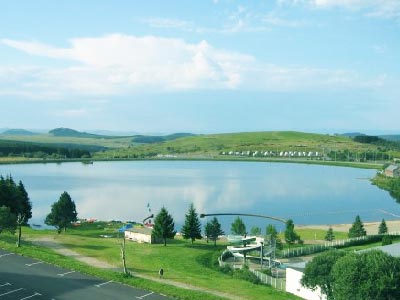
183,263
392,185
361,165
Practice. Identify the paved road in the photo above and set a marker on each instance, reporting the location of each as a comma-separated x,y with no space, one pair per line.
23,278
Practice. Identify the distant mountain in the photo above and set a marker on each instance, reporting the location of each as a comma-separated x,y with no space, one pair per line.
67,132
150,139
18,132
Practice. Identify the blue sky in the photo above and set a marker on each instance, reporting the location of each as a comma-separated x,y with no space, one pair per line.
201,66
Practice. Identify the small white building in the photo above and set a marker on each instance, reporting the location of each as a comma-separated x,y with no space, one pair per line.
140,235
392,171
293,284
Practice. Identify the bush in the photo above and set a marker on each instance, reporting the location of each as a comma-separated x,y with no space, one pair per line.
245,274
267,272
386,240
226,269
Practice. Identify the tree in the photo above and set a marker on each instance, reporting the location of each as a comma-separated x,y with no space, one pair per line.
25,205
318,272
272,236
238,227
255,230
15,197
164,226
213,230
357,229
382,227
368,275
329,235
63,213
192,227
8,220
290,235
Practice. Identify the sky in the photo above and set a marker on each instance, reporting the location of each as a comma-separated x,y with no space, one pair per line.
209,66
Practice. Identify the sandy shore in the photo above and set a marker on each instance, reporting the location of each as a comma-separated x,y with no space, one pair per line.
371,228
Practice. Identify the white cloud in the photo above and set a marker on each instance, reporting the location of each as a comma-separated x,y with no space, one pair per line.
274,19
119,64
169,23
389,9
116,62
371,8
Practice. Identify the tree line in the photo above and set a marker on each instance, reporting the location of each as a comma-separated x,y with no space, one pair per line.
32,150
15,206
364,275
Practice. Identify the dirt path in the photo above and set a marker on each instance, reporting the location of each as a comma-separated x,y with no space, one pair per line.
50,242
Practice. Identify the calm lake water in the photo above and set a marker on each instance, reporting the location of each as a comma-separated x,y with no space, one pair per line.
309,194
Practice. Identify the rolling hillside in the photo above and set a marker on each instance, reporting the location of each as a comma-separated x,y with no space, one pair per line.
276,141
273,144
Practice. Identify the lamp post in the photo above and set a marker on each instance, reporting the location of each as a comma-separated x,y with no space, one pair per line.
247,215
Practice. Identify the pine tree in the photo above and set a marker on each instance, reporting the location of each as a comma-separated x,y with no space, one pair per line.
15,197
25,205
8,221
290,235
238,227
192,227
329,235
255,230
382,227
164,226
213,230
357,229
63,213
272,236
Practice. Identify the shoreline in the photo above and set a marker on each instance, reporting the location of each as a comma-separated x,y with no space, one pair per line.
370,227
357,165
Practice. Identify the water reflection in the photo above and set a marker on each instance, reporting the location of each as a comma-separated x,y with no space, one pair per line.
121,190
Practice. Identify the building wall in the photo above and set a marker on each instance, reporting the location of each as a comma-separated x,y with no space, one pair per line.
138,237
294,286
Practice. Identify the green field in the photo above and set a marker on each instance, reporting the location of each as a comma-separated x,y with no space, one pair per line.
192,265
340,149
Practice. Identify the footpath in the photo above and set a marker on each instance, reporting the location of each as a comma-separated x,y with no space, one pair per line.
49,242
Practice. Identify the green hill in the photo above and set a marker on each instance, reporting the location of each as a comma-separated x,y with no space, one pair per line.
67,132
19,132
299,144
150,139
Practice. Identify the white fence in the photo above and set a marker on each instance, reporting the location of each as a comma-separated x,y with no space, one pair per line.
278,283
300,251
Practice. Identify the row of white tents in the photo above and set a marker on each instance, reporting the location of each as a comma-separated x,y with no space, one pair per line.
273,153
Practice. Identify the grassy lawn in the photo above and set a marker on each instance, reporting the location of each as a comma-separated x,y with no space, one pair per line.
318,234
182,262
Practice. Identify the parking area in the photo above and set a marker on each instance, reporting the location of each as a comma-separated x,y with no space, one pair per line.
25,278
10,291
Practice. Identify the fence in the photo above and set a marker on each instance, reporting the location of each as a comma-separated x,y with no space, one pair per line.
277,283
307,250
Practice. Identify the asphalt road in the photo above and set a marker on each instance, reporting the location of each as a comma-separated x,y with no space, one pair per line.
24,278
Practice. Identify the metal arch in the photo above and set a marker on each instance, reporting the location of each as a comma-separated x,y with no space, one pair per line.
247,215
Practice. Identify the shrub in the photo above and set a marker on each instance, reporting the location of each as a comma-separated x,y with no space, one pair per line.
226,269
245,274
386,240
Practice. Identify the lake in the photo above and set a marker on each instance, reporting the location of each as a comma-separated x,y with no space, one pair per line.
309,194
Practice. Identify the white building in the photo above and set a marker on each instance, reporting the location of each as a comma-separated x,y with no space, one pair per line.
294,273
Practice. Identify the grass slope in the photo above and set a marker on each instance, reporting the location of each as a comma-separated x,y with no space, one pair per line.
185,263
249,141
